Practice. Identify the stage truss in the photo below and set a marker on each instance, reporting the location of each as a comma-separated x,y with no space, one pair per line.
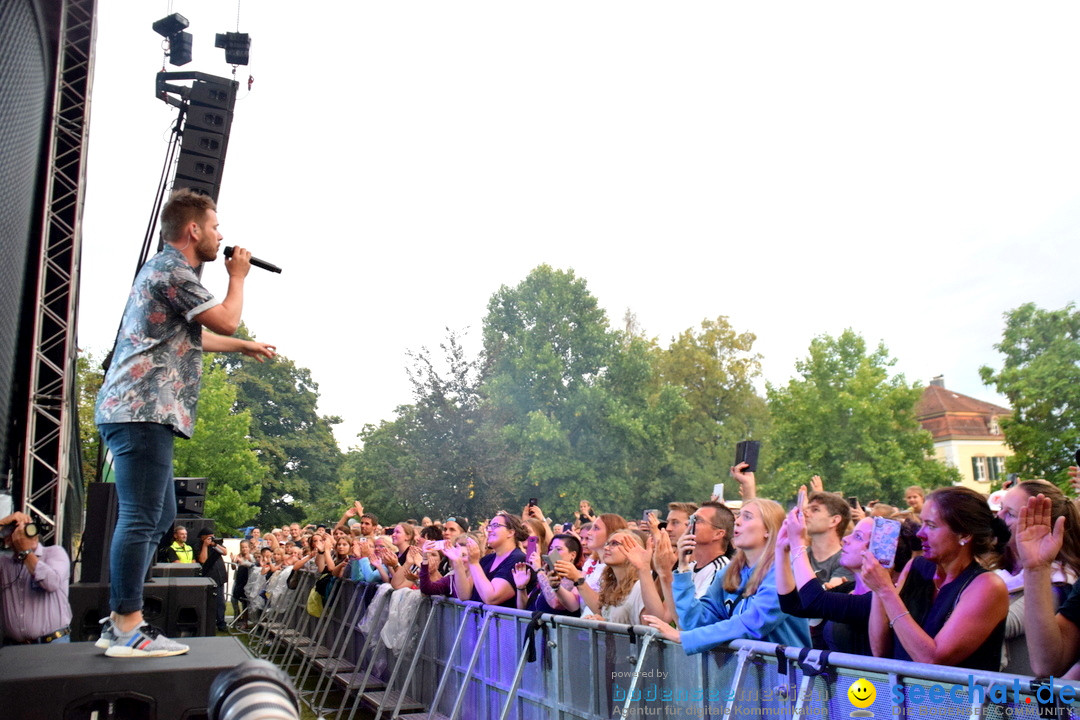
49,465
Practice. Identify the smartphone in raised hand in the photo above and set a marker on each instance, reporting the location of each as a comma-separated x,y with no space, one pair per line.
884,540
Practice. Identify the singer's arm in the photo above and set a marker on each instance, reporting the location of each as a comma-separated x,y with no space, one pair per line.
224,318
212,342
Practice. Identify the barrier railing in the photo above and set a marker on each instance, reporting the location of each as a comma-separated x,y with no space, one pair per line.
466,660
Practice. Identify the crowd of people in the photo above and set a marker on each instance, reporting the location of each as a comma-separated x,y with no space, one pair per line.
955,578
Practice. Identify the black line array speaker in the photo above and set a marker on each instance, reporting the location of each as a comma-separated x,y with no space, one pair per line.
190,486
206,135
101,512
77,681
181,606
190,504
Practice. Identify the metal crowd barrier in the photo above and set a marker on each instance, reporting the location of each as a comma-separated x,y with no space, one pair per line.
471,661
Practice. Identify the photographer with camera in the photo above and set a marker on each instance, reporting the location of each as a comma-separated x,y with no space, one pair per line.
33,586
209,556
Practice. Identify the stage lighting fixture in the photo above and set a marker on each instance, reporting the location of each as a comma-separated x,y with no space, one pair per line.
166,27
237,47
180,48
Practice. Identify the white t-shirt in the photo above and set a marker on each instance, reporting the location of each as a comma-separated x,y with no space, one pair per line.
629,610
704,575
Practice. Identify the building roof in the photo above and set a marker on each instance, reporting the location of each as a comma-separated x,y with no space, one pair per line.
951,415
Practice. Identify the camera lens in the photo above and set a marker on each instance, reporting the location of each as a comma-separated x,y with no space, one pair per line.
253,690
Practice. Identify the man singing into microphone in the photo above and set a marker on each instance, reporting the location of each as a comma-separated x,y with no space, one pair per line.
149,397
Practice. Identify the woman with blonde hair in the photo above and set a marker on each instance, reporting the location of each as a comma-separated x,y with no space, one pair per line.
742,600
627,588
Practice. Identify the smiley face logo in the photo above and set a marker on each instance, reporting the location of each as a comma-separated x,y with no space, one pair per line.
862,693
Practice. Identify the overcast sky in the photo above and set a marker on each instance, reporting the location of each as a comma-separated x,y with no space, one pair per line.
909,171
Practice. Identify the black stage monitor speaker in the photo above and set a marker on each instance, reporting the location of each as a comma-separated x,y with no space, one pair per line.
176,570
101,511
89,603
181,606
77,681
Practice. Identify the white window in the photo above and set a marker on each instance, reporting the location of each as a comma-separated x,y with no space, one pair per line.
997,467
978,469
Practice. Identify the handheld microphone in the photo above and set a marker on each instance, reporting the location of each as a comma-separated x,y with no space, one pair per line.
255,261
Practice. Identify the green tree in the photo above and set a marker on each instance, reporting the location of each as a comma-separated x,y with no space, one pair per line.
845,419
1041,378
88,379
295,443
580,405
714,369
221,451
461,461
375,473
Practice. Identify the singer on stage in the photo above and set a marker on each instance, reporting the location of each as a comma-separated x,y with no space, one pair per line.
149,397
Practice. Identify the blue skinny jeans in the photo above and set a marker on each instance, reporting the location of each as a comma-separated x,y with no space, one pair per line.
143,470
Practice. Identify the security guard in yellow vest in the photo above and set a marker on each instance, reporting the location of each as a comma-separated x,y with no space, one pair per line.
180,551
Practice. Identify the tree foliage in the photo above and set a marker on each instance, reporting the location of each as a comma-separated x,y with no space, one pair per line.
220,451
377,472
581,406
845,419
88,379
714,369
1041,378
462,462
294,442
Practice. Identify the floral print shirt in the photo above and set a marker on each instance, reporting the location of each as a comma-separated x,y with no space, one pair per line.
157,363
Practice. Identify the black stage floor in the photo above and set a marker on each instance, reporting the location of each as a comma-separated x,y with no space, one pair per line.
70,681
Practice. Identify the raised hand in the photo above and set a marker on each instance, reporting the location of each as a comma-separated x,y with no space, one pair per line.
795,523
454,553
473,551
639,557
876,577
522,574
746,480
664,557
1036,542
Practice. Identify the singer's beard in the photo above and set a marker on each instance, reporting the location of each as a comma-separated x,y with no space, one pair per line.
206,251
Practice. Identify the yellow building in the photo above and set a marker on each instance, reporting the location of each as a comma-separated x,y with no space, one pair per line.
967,434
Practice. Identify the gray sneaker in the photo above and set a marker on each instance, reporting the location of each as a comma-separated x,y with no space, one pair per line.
145,641
107,634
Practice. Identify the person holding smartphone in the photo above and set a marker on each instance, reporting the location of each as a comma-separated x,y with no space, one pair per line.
946,608
553,592
489,579
742,601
